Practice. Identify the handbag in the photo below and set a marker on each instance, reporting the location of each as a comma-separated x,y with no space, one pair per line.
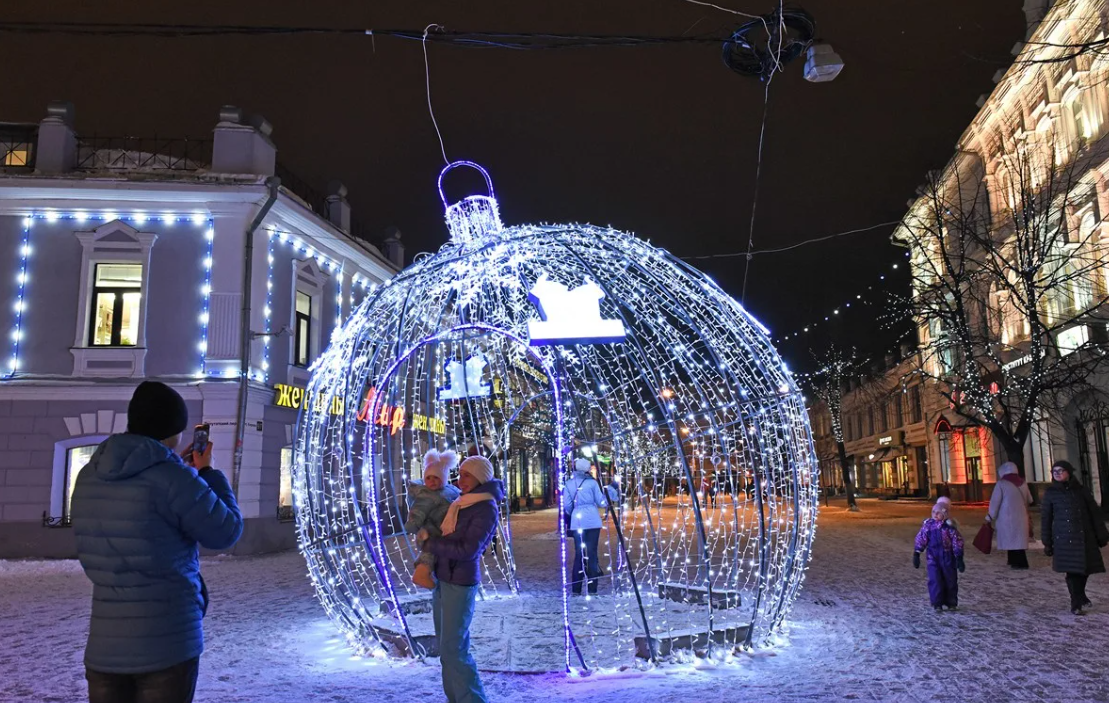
983,541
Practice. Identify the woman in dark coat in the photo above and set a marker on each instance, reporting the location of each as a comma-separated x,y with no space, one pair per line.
1073,532
468,528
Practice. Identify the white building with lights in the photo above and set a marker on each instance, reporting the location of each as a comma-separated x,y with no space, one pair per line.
1049,109
177,260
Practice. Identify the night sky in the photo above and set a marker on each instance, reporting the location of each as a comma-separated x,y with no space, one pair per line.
660,140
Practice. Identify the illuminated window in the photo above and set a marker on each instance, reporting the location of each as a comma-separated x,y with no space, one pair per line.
18,154
116,299
302,341
75,459
1072,339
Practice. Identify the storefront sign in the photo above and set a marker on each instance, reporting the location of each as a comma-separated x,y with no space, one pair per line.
394,418
890,440
531,371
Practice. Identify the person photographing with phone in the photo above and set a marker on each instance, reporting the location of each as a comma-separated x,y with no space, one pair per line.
140,514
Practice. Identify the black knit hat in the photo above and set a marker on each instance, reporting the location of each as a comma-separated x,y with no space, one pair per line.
156,411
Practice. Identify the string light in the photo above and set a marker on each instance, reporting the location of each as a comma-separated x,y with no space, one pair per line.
852,302
140,218
695,388
136,218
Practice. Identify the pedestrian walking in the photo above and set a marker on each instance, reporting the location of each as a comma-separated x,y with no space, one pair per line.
140,514
1073,532
468,528
942,544
583,500
1008,514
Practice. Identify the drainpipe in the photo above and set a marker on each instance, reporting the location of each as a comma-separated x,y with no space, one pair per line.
272,184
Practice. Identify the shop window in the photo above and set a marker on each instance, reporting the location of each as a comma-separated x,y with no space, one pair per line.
116,299
285,485
302,344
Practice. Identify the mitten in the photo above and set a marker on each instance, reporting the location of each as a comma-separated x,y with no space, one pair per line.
960,564
1049,551
916,560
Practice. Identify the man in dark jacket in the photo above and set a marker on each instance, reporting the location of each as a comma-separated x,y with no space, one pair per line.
139,514
1073,532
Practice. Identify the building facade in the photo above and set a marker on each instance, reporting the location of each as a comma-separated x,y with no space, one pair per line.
128,260
1047,114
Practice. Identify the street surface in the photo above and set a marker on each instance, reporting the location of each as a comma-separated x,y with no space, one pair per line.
862,629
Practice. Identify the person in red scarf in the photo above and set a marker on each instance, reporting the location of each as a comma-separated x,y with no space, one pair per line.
1009,515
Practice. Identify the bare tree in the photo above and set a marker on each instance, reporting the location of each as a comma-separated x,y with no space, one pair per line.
834,369
1008,288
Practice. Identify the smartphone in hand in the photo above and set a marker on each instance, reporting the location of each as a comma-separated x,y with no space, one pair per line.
200,438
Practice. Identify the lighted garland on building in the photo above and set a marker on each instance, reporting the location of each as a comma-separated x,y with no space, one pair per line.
578,337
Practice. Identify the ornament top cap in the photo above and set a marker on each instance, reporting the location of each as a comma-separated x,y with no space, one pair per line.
475,216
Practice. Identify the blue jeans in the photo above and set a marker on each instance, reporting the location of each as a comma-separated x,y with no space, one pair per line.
453,609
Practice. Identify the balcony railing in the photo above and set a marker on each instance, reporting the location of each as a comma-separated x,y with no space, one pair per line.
143,154
315,200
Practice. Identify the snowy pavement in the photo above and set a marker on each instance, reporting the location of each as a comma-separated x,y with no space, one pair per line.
861,630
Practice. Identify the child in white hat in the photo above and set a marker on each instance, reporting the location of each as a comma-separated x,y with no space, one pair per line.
428,504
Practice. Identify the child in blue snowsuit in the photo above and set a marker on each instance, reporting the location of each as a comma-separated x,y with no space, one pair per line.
940,539
428,505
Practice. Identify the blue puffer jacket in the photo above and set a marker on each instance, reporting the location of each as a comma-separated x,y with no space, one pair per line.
139,513
458,555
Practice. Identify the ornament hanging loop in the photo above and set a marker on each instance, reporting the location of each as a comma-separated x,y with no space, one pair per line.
457,164
475,216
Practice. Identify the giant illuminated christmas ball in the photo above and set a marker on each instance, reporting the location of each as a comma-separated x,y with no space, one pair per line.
535,345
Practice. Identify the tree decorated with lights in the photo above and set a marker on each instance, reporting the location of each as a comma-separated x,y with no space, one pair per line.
834,369
590,340
1008,288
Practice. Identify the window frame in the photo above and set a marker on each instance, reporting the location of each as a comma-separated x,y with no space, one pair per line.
59,485
112,243
116,339
310,279
302,340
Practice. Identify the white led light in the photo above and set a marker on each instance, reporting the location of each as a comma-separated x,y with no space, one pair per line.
51,216
199,219
445,350
80,216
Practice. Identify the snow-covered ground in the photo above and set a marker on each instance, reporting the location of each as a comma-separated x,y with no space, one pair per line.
861,630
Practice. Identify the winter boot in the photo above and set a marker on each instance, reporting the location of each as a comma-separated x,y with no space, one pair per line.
422,577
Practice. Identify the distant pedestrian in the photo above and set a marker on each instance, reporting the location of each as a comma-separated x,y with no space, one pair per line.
468,528
583,499
1008,514
1073,532
140,513
612,493
940,540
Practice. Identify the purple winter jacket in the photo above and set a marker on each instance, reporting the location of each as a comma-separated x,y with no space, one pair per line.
458,555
